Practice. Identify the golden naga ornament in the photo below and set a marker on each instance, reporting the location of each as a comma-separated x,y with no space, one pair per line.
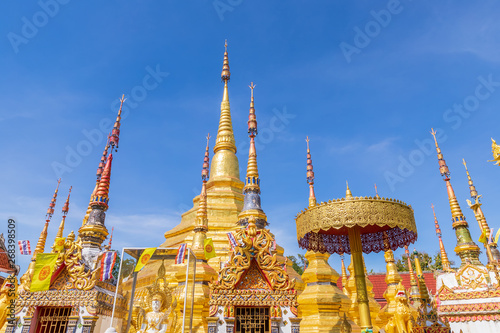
495,149
253,245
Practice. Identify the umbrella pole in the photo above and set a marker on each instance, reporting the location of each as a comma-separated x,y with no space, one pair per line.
359,275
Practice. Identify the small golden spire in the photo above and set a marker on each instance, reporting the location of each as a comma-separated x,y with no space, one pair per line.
472,188
65,210
376,192
40,246
443,168
225,135
424,295
111,238
414,290
344,274
444,257
201,214
348,194
252,181
310,177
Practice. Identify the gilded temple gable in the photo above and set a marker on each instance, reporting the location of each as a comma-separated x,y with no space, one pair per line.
253,278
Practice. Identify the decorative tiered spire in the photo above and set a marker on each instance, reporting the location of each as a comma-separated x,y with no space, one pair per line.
111,238
310,177
466,248
65,210
201,226
344,275
444,257
414,290
101,196
251,202
225,135
114,138
40,246
201,214
491,248
376,192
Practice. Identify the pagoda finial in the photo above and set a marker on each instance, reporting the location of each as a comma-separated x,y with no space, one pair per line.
111,238
65,211
443,168
225,135
491,248
40,245
444,257
376,192
348,193
115,133
310,176
252,181
424,295
466,249
101,196
472,188
414,290
201,214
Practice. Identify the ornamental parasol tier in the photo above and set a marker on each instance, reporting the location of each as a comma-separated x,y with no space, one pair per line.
355,225
382,223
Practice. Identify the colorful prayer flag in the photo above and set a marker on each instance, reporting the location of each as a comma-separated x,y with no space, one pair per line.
59,244
44,268
181,253
232,240
107,264
24,247
208,246
144,258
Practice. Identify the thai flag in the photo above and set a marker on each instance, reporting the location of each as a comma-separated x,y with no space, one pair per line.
24,247
181,253
107,263
232,240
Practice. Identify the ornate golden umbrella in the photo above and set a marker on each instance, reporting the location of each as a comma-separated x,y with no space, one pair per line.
355,225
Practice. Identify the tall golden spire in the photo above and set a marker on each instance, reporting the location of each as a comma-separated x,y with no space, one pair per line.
225,135
310,177
466,249
201,226
414,290
444,257
65,210
251,203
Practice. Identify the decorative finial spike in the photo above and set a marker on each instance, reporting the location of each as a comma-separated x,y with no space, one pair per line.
111,238
252,182
226,74
310,176
114,138
472,188
376,192
443,168
444,257
101,197
201,214
65,208
252,119
206,162
52,204
348,193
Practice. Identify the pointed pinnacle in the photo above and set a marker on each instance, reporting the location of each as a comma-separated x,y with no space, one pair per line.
472,188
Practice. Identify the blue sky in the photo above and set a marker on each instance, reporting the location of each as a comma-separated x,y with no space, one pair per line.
365,80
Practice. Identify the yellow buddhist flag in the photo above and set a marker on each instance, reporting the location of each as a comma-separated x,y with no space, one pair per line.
144,258
209,248
44,268
497,235
59,244
483,239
